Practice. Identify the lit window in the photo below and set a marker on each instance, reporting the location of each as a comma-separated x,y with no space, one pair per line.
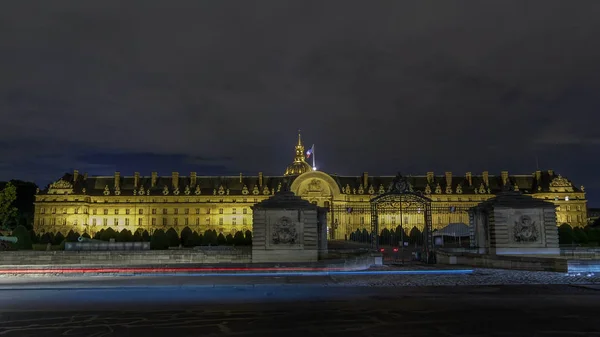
567,198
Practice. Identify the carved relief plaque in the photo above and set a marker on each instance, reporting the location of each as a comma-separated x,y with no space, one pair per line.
284,231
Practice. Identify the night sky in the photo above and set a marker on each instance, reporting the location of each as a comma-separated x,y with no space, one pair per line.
220,87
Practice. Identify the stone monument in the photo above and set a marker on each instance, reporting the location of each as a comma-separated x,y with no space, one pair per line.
287,228
513,223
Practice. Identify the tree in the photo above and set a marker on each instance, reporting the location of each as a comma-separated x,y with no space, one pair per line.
125,236
210,237
221,240
145,236
248,238
23,238
159,240
108,234
8,212
192,240
58,238
415,236
72,236
137,236
229,239
186,234
47,238
172,237
238,239
565,234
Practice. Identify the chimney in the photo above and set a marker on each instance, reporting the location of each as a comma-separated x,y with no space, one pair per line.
175,178
365,179
448,178
85,176
260,179
117,180
486,178
154,178
504,175
538,176
469,177
429,177
136,179
193,179
75,175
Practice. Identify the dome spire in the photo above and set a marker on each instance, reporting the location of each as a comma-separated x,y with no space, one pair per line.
299,165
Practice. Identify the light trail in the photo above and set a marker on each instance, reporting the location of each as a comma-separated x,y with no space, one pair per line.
230,271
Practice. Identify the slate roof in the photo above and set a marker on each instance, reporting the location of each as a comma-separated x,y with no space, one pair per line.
95,185
285,199
514,199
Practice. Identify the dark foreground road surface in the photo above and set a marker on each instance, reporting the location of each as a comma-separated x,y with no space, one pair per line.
156,308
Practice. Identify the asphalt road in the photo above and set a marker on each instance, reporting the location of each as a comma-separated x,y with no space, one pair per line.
163,307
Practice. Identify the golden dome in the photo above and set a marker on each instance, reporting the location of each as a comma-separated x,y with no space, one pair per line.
299,165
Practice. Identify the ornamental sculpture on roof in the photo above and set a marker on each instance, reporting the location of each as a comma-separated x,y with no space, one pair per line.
560,182
61,184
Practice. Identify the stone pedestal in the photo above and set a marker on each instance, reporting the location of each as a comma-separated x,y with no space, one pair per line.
286,228
512,223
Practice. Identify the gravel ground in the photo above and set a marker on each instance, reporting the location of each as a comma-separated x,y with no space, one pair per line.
478,277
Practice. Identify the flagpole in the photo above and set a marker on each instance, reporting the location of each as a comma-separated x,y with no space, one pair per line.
313,155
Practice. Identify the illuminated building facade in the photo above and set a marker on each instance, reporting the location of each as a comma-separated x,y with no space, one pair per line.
87,204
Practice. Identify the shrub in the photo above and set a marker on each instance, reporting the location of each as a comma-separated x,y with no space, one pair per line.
173,237
221,240
238,239
23,238
186,237
248,238
210,237
58,239
145,236
72,236
159,240
125,236
47,238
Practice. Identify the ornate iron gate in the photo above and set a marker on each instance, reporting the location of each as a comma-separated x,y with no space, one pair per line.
401,199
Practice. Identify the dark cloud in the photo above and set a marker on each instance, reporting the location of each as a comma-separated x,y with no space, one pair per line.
380,87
